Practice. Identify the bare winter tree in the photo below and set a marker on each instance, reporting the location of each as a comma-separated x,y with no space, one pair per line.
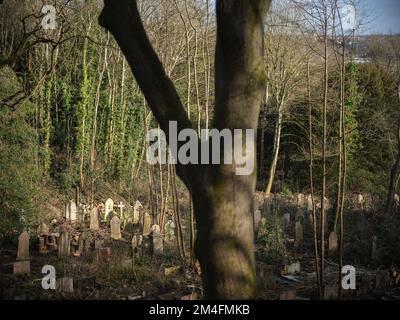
222,200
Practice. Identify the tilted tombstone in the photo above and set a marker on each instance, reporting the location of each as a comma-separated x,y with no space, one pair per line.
109,207
116,228
23,246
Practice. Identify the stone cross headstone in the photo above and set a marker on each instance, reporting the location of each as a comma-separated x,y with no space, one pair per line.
257,219
109,207
64,246
23,246
136,212
121,206
146,224
333,242
299,233
94,219
116,228
73,211
158,246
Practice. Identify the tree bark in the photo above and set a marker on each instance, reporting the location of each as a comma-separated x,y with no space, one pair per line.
223,201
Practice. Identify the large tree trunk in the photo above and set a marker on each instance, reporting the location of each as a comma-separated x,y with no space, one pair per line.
222,200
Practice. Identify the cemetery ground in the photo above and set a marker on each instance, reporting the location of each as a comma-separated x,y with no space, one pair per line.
116,252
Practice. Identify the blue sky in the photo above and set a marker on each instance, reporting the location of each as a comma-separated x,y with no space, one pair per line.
385,16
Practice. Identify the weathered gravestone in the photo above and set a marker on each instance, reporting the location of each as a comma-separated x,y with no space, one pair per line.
137,209
65,285
103,255
158,246
22,267
67,212
73,211
23,246
94,219
146,224
137,241
288,295
64,246
299,233
109,207
333,242
293,268
300,215
309,203
43,230
286,219
115,228
300,200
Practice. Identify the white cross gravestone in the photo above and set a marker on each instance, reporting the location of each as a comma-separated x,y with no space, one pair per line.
73,211
94,219
109,207
158,246
121,206
115,228
23,246
136,212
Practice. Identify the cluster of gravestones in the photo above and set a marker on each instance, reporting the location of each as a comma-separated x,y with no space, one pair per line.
147,238
303,218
